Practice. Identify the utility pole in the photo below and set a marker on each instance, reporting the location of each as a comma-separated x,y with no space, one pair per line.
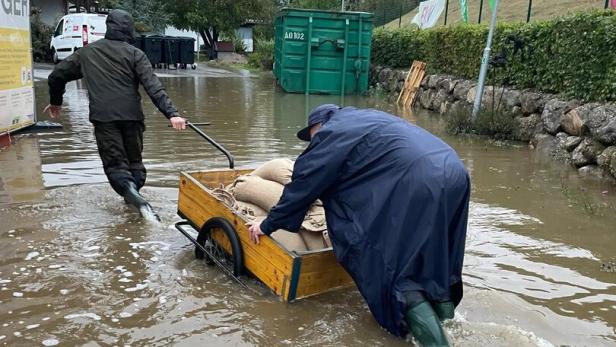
342,6
446,10
530,6
484,64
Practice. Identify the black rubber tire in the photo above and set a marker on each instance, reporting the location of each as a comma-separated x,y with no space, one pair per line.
54,56
236,256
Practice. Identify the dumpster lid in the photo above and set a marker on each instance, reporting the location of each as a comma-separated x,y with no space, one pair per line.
307,12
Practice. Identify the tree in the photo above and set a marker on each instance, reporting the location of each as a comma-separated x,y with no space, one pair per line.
211,17
316,4
149,15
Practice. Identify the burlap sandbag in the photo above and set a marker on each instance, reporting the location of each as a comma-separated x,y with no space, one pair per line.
313,240
315,218
256,190
277,170
250,211
290,241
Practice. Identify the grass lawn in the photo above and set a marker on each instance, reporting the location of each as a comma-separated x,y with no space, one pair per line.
508,10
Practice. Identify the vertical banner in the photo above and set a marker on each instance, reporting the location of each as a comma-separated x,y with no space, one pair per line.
464,10
429,13
613,4
16,87
491,5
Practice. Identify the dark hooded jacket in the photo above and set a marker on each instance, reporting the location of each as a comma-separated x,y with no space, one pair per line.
396,202
112,70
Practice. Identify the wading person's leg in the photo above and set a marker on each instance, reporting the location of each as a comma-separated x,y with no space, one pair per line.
110,144
423,322
133,145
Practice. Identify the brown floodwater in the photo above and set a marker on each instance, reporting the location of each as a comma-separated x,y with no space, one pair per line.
80,268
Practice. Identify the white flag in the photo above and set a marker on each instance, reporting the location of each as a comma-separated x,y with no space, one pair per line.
429,13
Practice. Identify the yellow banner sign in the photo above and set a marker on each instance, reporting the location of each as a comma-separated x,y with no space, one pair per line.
16,77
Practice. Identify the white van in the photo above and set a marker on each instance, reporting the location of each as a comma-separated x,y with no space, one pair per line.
75,31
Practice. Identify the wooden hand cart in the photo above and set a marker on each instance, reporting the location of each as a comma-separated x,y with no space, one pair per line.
221,236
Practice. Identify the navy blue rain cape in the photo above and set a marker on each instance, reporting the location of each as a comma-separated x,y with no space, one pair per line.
396,202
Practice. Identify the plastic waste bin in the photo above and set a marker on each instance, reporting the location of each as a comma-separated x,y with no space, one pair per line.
171,50
187,52
153,48
139,42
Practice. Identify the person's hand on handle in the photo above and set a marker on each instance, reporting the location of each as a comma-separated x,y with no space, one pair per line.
255,231
178,122
55,111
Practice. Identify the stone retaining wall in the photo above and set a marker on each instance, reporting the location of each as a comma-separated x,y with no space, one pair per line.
581,134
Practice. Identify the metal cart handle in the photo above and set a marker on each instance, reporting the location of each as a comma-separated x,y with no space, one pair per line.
194,127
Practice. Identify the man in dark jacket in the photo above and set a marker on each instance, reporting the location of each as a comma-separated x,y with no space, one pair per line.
396,201
112,70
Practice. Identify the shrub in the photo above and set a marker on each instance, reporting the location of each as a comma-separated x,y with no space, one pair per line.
494,123
263,56
572,55
40,34
238,44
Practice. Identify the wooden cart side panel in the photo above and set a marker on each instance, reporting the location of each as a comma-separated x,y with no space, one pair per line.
214,178
266,261
320,272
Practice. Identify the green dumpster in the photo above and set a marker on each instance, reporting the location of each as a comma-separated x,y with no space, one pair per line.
322,52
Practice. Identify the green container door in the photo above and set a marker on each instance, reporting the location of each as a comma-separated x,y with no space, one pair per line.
322,52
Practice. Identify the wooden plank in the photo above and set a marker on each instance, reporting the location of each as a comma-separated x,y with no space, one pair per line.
420,75
411,84
214,178
321,272
404,87
267,261
414,96
415,68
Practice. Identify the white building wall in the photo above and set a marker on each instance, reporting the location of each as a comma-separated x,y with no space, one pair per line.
245,33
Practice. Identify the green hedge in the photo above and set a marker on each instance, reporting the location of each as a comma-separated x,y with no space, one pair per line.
573,55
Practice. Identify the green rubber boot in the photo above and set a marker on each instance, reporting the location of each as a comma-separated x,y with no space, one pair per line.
132,197
426,326
444,310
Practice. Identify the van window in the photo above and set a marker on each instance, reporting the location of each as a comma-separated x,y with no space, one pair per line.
58,31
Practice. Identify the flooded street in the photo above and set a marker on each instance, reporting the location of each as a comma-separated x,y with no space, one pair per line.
80,268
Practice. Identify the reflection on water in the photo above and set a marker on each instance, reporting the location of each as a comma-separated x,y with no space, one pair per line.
80,267
20,172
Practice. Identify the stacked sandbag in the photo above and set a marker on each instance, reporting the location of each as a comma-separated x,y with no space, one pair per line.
255,194
257,191
277,170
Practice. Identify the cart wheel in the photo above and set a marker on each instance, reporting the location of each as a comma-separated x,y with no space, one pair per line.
226,234
194,66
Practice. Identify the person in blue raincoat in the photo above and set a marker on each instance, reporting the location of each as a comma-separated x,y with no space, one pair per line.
396,202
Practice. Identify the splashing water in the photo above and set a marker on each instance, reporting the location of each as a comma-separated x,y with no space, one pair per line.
149,215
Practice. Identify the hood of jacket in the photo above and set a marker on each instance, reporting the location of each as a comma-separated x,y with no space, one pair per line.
120,26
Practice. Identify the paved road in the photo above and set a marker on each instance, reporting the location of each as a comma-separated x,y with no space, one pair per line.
42,71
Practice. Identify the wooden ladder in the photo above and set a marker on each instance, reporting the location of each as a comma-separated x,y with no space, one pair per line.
408,93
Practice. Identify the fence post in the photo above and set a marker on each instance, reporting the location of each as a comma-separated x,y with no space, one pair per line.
446,10
530,6
480,11
384,21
